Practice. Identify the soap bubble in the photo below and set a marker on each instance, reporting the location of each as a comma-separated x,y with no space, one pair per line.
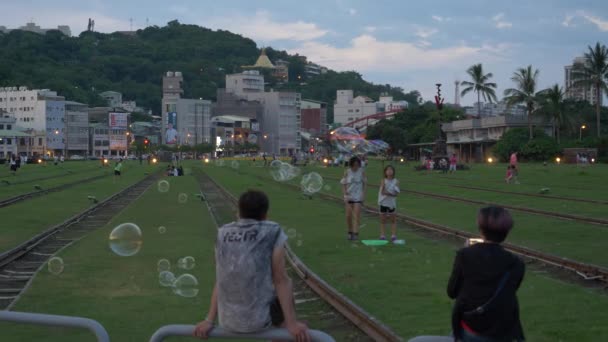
219,162
327,187
299,243
163,265
182,198
166,278
186,263
126,239
55,265
291,233
282,172
163,186
235,164
311,183
162,230
186,285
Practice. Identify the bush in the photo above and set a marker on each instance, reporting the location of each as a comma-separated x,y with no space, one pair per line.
541,148
512,140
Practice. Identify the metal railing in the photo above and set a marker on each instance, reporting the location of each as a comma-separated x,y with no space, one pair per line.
270,334
57,321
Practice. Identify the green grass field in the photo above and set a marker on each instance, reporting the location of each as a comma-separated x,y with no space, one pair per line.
403,286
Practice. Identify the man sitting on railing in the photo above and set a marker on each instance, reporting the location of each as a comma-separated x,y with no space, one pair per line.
252,290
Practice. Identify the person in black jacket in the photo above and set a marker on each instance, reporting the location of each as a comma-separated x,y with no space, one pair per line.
484,282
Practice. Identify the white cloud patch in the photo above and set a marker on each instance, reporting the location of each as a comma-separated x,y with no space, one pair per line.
440,19
568,21
261,26
602,24
352,11
365,53
500,22
370,29
425,32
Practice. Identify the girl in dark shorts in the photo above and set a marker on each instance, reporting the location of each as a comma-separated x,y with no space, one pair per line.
353,189
387,200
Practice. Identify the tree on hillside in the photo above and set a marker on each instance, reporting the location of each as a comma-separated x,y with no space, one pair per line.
552,104
479,84
525,80
593,73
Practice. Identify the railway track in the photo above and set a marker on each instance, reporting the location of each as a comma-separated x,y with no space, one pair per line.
563,216
584,271
5,182
29,195
343,318
19,265
571,199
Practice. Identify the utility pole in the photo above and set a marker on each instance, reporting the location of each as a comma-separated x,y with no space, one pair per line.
440,149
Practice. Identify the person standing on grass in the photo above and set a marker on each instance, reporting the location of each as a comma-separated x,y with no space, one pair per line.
117,169
252,290
484,282
453,163
509,175
353,189
387,199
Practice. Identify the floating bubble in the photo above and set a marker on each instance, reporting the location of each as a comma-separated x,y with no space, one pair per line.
182,198
126,239
186,285
327,187
55,265
186,263
235,164
311,183
162,230
166,278
163,265
163,186
291,233
275,163
282,172
299,243
219,162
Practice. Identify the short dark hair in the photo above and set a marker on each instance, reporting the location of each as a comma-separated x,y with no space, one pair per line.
389,167
495,223
253,204
353,160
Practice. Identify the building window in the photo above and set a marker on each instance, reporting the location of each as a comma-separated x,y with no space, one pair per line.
350,110
39,141
22,142
9,127
1,126
9,141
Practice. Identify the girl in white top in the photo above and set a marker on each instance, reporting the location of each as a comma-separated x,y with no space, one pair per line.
353,189
387,199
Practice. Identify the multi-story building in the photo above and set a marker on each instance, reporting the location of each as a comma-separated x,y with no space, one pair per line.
77,130
495,109
390,104
314,117
281,127
281,70
470,139
348,108
111,137
41,112
184,121
113,98
578,93
99,139
233,105
32,27
247,84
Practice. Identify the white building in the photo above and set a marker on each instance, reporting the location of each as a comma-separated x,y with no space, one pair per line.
113,98
347,108
190,118
77,133
32,27
40,111
495,109
392,105
579,93
246,84
282,122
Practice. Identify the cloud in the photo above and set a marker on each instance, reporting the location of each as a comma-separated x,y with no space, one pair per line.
568,21
425,32
500,22
261,26
352,11
365,53
601,24
440,19
370,29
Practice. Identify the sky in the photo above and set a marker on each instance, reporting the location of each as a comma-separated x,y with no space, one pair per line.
411,44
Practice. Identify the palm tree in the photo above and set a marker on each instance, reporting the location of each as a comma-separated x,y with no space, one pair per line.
480,85
593,73
553,104
525,92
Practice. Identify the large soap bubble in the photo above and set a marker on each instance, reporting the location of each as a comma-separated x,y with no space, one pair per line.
311,183
282,172
163,265
349,141
186,285
55,265
163,186
182,198
219,162
186,263
126,239
166,278
235,164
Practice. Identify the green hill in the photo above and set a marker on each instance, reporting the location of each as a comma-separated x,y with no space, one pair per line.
82,67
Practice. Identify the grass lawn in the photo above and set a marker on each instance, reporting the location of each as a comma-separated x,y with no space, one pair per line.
404,286
23,220
579,241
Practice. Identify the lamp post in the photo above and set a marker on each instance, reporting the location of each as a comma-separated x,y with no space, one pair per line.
580,132
267,136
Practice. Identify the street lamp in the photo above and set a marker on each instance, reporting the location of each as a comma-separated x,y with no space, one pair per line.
580,132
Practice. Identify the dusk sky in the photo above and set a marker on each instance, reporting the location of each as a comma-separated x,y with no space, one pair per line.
404,43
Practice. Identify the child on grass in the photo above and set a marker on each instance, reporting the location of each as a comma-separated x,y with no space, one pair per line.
353,189
387,199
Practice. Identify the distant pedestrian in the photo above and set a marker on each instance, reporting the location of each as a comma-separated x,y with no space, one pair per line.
141,159
453,163
61,159
509,175
443,164
118,169
387,200
13,163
